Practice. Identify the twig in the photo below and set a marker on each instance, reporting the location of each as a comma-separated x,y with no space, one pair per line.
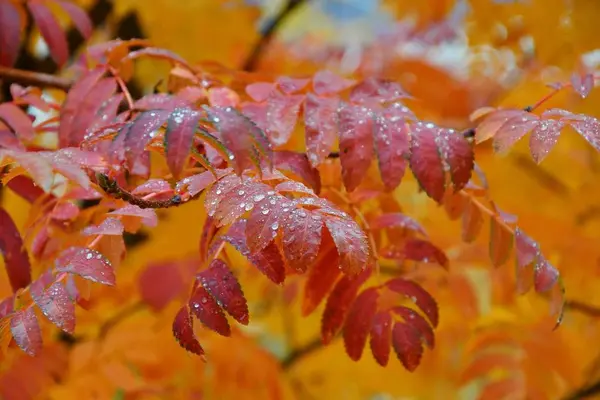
120,316
295,355
111,187
587,309
268,32
34,78
585,392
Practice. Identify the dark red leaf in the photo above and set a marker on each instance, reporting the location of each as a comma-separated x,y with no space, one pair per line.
390,133
396,220
183,330
545,275
321,278
282,114
260,91
51,30
359,321
351,243
26,331
298,164
320,123
160,101
140,133
79,17
326,82
25,188
356,143
87,263
338,303
181,127
417,295
160,283
209,230
376,90
424,251
514,129
10,34
301,238
206,309
16,260
528,253
381,337
241,199
57,306
582,83
459,155
407,344
225,288
544,138
413,318
17,120
264,220
426,162
291,85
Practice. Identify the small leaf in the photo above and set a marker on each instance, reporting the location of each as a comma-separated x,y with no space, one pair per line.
472,221
183,331
424,251
90,106
326,82
140,133
17,120
459,156
87,263
10,34
351,243
209,230
417,295
298,164
291,85
381,337
407,344
356,143
57,306
264,220
79,17
282,114
181,127
426,162
148,216
588,127
321,278
26,331
320,123
225,288
51,31
160,101
16,259
206,309
513,130
301,238
392,145
493,121
378,90
545,275
501,241
396,220
160,283
260,91
413,318
196,183
223,97
582,83
359,322
528,253
544,137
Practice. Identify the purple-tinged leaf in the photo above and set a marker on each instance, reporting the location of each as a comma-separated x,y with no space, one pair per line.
37,287
10,34
588,127
544,138
298,164
148,216
9,141
152,186
79,17
183,331
513,130
426,161
320,122
87,263
181,127
50,30
57,306
265,218
396,220
376,90
301,233
110,226
206,309
381,337
359,321
351,243
16,260
140,133
545,275
356,143
26,331
160,101
326,83
407,344
17,120
582,84
391,140
282,114
225,288
239,201
417,295
90,106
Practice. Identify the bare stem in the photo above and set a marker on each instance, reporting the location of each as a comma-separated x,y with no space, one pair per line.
34,78
111,187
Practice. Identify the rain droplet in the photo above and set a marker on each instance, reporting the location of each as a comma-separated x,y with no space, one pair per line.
265,211
275,226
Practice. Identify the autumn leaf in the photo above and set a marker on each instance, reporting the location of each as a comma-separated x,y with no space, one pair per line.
87,263
16,259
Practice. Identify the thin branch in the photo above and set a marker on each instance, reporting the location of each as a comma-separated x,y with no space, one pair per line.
112,188
585,392
587,309
268,32
295,355
34,78
120,316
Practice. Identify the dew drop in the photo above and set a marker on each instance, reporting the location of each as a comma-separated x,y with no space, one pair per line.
89,256
275,226
259,197
241,192
265,211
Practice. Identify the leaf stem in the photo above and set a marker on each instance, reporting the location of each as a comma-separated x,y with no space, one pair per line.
34,78
112,188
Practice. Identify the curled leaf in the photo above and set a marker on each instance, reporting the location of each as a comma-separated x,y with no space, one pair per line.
16,259
183,331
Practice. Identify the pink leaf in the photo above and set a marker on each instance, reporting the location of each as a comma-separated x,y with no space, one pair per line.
282,114
110,226
544,138
493,121
206,309
225,288
260,91
424,251
588,127
396,220
351,243
239,201
298,164
545,275
87,263
223,97
181,127
51,31
10,34
291,85
326,82
160,283
37,167
582,84
376,90
152,186
16,260
79,17
320,122
160,101
183,331
356,143
148,216
90,106
528,253
407,344
359,321
26,331
390,133
417,295
196,183
381,337
301,238
64,211
263,222
426,162
141,132
17,120
513,130
57,306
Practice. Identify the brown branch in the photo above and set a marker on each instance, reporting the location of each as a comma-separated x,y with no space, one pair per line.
112,188
34,78
268,32
118,317
587,309
295,355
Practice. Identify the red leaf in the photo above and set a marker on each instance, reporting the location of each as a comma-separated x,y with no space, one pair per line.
381,337
209,230
37,167
10,34
225,288
160,283
514,129
140,133
301,238
239,200
545,275
326,82
588,127
413,318
472,221
528,252
64,211
79,17
424,251
359,322
196,183
291,85
282,114
458,153
320,124
179,135
417,295
148,216
407,344
260,91
17,120
356,143
160,101
264,220
16,260
87,263
298,164
89,107
51,31
426,162
321,278
396,220
206,309
38,286
391,146
156,52
351,243
582,84
183,331
376,90
57,306
492,122
501,241
544,138
26,331
6,306
338,303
